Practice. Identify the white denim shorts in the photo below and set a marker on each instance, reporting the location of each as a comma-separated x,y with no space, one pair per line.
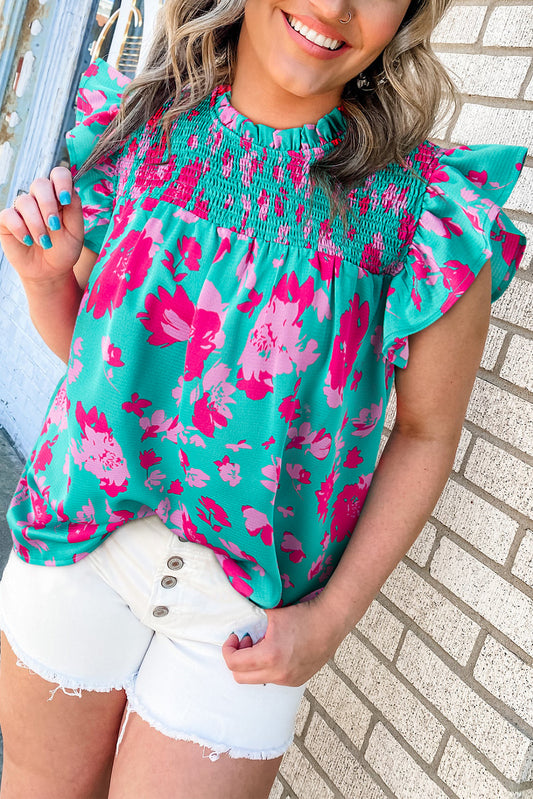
148,613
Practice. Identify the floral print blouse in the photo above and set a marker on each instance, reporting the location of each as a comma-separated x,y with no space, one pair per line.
235,349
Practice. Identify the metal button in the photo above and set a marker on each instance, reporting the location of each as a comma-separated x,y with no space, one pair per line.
175,562
168,581
160,610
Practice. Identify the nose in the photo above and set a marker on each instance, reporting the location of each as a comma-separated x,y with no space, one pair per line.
330,10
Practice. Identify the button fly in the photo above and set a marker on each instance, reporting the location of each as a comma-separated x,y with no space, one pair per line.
175,562
160,610
168,581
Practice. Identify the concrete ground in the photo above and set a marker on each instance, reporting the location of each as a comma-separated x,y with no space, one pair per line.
10,469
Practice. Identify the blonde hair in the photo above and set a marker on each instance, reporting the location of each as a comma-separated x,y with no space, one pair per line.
194,50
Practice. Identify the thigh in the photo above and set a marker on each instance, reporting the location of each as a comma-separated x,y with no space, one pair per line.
59,748
151,765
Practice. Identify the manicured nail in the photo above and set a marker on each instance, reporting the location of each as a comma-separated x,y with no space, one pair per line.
247,634
28,241
53,222
45,242
64,197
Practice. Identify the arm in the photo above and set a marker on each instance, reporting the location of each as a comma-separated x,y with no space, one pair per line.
432,397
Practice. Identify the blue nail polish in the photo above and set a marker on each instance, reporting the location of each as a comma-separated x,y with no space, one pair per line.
53,222
45,242
28,241
64,198
247,634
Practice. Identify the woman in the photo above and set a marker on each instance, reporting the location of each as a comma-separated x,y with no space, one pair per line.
254,264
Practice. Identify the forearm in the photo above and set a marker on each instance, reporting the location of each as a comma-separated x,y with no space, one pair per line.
54,306
406,485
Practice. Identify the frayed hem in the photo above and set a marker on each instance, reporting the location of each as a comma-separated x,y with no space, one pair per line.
68,685
216,749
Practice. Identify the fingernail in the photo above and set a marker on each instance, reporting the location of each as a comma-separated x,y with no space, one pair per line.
28,241
64,198
45,242
53,222
246,634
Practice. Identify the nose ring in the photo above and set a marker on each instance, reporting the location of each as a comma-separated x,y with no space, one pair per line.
345,21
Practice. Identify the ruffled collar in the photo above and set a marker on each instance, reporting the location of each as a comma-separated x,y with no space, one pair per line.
326,133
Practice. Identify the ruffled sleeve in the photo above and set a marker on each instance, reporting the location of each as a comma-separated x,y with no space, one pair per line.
98,101
460,227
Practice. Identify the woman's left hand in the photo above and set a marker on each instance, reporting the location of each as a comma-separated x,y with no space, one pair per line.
298,641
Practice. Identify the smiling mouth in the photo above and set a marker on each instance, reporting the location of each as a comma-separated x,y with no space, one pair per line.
313,36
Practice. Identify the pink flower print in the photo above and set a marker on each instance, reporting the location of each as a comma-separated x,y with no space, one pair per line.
441,226
90,101
256,522
477,178
191,252
353,459
38,517
268,443
347,507
292,545
185,527
272,473
175,487
168,318
206,330
286,581
181,190
239,445
117,518
457,277
58,413
85,527
239,553
212,409
289,290
148,458
206,416
154,169
319,442
44,458
224,247
196,478
126,268
367,419
215,513
408,225
298,475
74,370
353,328
372,253
254,299
273,347
99,453
229,472
289,407
237,576
315,568
155,424
298,168
289,511
392,198
110,353
136,406
246,268
227,164
323,493
328,265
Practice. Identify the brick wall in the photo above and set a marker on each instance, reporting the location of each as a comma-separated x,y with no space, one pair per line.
431,695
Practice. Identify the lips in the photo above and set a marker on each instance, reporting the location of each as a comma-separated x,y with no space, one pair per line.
315,27
312,35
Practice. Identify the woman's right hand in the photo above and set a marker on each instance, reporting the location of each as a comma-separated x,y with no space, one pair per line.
52,252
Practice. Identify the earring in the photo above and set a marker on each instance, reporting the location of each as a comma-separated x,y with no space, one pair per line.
363,84
346,21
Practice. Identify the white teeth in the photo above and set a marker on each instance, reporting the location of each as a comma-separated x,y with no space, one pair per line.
313,36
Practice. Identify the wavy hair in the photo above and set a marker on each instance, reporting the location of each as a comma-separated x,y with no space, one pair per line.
194,50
